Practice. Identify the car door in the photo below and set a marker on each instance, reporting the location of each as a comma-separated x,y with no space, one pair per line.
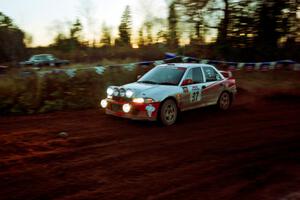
213,85
192,92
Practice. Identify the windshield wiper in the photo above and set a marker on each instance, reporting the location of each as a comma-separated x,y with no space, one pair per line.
149,82
167,83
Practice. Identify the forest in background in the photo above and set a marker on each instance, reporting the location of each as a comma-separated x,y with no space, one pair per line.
232,30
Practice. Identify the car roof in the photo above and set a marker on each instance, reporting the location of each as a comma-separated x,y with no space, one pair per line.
43,55
187,65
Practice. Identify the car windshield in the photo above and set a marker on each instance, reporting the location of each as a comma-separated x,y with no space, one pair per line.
163,75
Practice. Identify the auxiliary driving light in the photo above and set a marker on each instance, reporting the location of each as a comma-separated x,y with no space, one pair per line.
103,103
126,108
122,92
129,93
116,92
109,91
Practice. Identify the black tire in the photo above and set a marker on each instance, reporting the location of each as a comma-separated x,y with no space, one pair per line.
224,101
168,112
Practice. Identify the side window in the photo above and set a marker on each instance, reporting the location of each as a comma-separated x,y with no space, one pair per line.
196,75
211,74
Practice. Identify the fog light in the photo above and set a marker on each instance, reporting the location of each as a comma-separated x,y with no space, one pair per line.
103,103
126,108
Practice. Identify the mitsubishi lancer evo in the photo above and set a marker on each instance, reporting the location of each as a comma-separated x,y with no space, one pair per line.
168,89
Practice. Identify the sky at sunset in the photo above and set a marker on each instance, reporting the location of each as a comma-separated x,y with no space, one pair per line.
44,18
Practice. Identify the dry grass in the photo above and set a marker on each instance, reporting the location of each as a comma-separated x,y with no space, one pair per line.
271,80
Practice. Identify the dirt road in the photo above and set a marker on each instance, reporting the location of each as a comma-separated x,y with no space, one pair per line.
251,152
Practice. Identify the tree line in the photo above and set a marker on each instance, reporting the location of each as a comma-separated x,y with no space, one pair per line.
216,29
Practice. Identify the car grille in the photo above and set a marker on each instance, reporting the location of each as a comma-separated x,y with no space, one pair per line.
116,107
122,99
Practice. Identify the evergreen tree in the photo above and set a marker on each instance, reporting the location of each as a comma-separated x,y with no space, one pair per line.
149,26
172,23
106,36
141,39
76,30
125,28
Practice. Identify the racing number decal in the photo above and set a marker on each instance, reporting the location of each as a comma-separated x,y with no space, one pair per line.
195,94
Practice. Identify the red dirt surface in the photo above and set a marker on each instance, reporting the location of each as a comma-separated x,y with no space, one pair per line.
251,152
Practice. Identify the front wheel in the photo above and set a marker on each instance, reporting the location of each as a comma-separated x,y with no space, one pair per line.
168,112
224,101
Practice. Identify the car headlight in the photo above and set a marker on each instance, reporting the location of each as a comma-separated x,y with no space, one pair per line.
142,100
126,108
110,91
138,100
129,93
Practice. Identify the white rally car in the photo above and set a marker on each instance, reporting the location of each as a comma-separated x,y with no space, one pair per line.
168,89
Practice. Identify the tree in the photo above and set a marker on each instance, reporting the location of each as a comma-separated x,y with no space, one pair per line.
272,24
76,30
106,36
125,28
242,28
28,40
293,22
12,46
194,14
153,26
86,11
149,28
71,42
223,27
141,39
172,23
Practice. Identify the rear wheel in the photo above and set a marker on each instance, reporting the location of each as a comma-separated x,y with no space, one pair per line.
224,101
168,112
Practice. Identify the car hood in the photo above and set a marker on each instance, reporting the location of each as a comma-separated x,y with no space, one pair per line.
139,87
146,90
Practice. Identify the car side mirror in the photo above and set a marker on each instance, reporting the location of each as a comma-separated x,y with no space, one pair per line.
138,77
187,82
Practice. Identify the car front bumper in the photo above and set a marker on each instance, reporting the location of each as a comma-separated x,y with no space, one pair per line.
138,111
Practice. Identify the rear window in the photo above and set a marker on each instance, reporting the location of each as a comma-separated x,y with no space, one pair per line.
211,74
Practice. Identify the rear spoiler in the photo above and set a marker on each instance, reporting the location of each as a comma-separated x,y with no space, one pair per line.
226,74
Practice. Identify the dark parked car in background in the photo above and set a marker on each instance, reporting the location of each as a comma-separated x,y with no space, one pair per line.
44,60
